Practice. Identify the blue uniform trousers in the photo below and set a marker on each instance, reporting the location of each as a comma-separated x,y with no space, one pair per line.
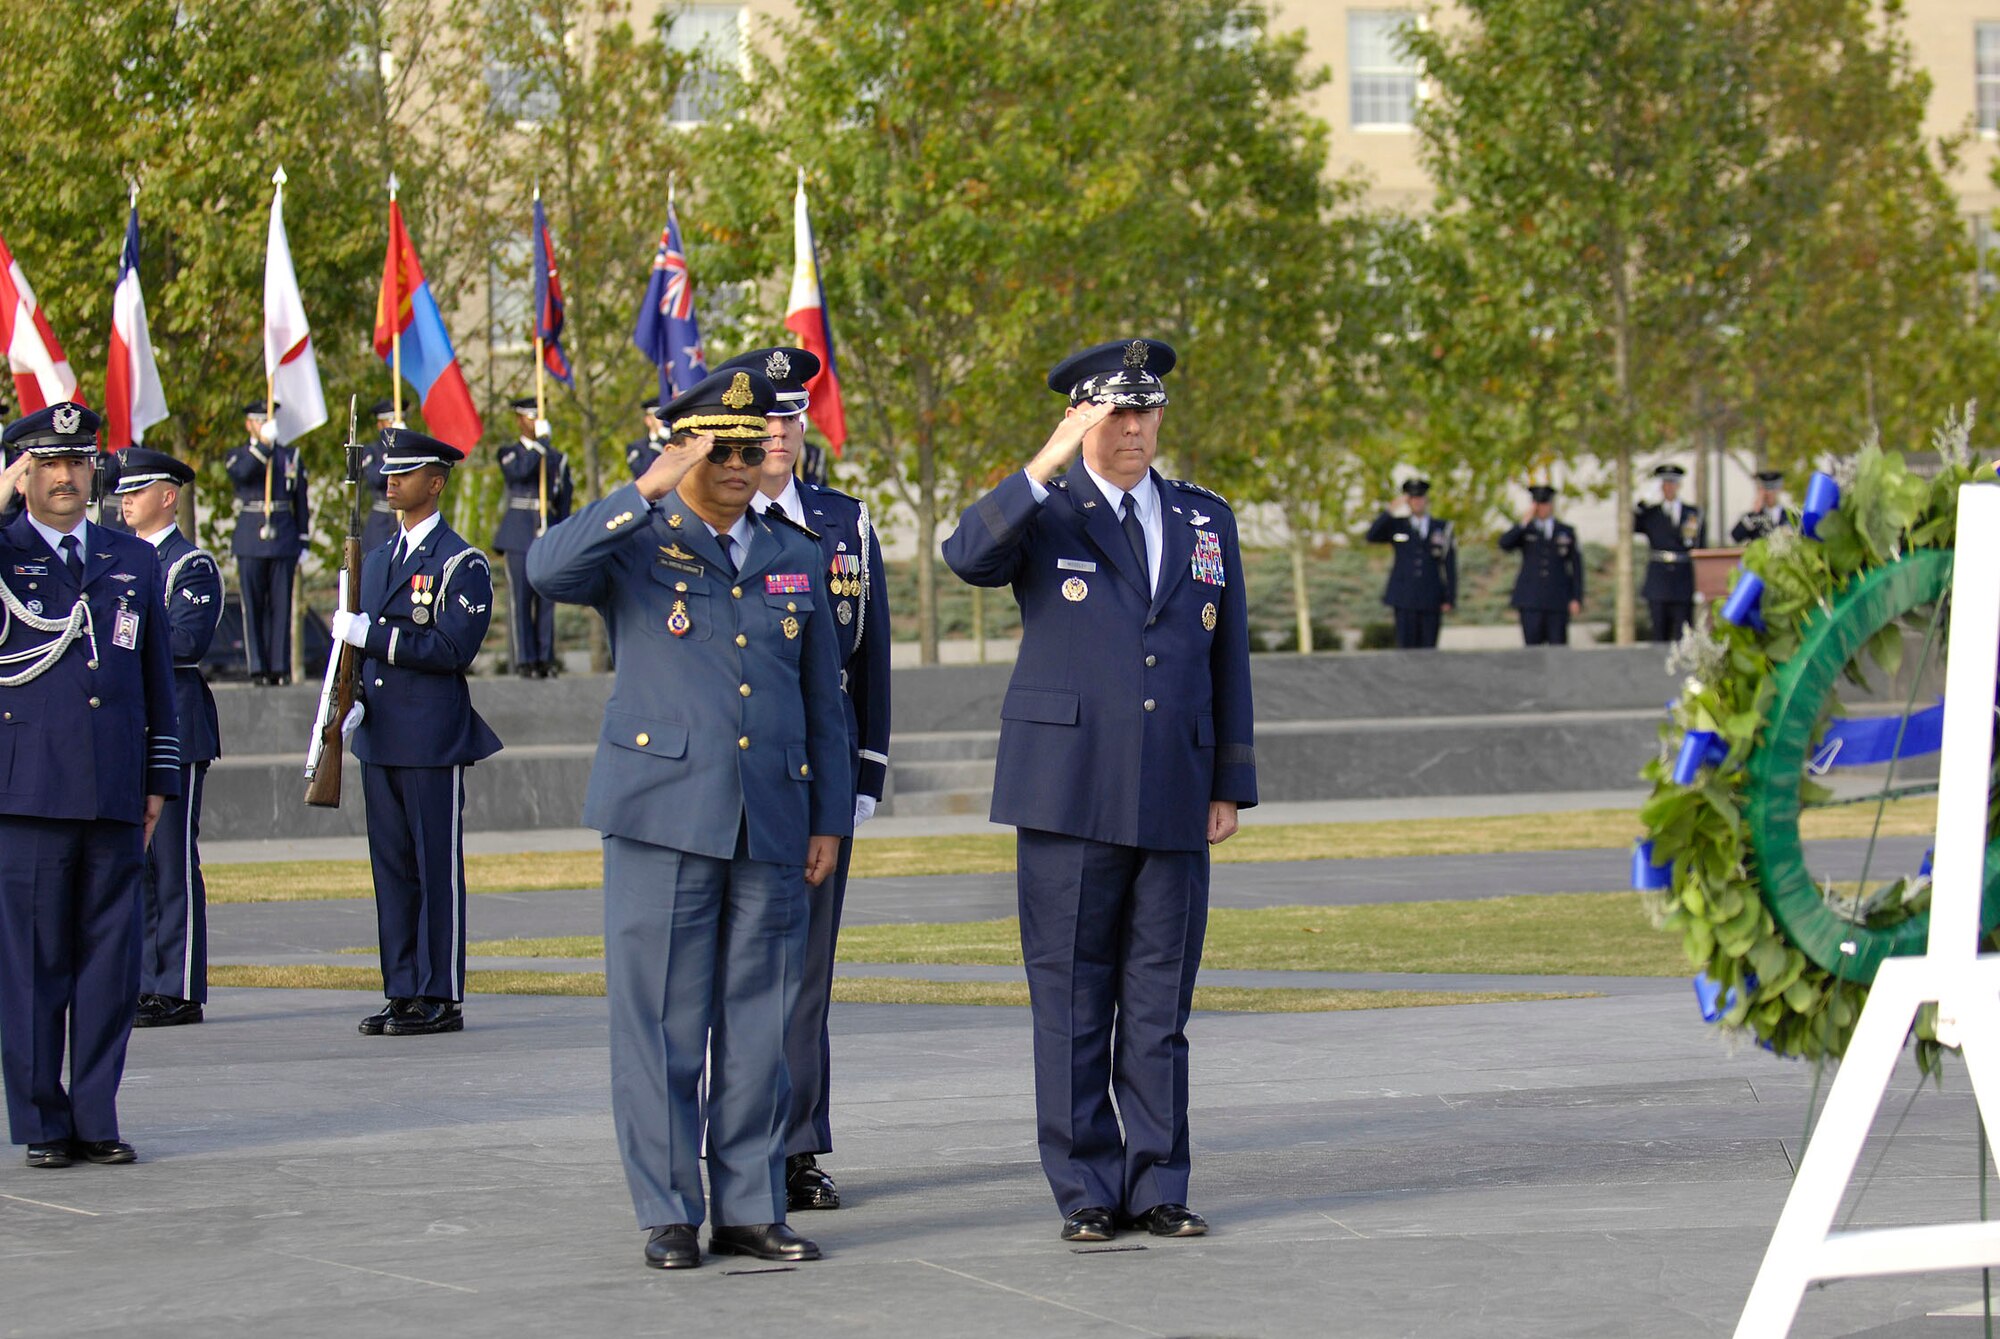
69,963
1112,937
1544,627
808,1049
266,586
1417,629
531,615
173,955
416,846
701,960
1670,617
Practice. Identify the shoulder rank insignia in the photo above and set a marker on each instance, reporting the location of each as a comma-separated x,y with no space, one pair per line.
797,525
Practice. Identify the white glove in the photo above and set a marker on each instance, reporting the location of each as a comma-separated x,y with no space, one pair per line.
267,431
350,628
543,428
352,722
864,809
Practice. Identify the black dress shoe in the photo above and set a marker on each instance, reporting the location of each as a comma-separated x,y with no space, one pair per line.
807,1186
1171,1220
1092,1224
421,1018
55,1153
373,1025
105,1150
766,1241
673,1247
166,1011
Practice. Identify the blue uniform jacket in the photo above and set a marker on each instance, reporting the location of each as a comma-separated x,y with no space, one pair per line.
1551,569
1422,575
87,741
413,674
190,590
378,522
291,516
521,465
640,453
1127,713
861,624
1669,570
726,705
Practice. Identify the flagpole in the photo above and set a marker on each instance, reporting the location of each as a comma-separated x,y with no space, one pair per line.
267,530
541,389
396,329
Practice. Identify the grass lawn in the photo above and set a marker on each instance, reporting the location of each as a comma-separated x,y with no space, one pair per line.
889,990
1564,934
993,853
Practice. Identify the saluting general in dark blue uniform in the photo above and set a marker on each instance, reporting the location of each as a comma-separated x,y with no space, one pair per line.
1549,588
270,540
173,954
1125,752
1670,528
88,758
721,786
531,465
380,525
641,452
1423,574
851,564
426,599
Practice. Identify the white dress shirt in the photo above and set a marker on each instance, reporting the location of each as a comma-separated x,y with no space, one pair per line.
54,538
415,535
790,500
1145,501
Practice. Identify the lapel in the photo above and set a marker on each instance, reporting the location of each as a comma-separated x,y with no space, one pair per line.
765,546
99,557
1100,523
1177,531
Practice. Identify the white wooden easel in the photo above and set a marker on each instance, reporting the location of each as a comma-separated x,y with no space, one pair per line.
1951,971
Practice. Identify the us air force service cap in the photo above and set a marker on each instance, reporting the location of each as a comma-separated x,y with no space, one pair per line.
405,449
1125,373
139,468
787,369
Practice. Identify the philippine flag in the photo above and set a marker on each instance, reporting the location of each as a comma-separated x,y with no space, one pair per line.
289,361
409,327
133,397
806,317
41,372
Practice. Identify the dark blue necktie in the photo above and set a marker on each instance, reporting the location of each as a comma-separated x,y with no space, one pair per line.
1135,535
728,544
73,559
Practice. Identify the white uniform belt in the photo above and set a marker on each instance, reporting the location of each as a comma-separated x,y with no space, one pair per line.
1659,557
524,503
261,505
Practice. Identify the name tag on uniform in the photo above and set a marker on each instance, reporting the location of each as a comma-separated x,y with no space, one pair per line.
1207,560
788,583
1075,565
31,569
125,630
692,569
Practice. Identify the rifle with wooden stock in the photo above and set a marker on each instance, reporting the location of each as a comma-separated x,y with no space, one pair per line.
343,664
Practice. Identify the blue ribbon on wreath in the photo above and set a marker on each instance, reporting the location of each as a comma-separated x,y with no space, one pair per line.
1875,739
1822,497
1699,749
1745,605
1648,877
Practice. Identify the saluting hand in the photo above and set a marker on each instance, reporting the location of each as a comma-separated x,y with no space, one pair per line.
671,466
1066,441
10,478
821,855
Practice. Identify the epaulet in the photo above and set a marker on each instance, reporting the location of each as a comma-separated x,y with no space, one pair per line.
1184,485
799,526
828,490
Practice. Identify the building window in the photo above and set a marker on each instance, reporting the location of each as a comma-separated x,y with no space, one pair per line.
510,296
1381,74
1986,74
713,36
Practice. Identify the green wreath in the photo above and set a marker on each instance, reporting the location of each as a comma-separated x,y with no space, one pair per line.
1788,960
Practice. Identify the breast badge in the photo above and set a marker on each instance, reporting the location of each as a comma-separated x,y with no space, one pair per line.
678,621
844,611
790,627
1208,616
1074,589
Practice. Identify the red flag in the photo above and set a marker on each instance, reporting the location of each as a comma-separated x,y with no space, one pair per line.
41,372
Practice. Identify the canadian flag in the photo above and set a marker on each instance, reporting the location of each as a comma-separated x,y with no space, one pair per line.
41,372
133,397
289,363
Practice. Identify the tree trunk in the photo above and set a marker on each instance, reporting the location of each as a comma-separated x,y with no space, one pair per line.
979,624
927,611
1624,620
1301,597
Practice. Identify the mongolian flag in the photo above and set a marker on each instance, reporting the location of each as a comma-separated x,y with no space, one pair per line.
406,312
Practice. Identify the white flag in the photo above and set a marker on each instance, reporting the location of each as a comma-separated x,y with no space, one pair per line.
288,351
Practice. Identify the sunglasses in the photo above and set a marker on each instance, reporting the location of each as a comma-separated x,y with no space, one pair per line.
720,452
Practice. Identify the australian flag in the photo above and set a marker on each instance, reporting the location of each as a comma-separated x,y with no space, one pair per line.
667,332
549,300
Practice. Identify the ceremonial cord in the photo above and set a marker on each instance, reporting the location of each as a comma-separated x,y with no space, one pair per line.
861,603
40,658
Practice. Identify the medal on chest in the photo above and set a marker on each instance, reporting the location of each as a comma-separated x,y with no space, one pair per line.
843,575
422,596
1206,562
678,621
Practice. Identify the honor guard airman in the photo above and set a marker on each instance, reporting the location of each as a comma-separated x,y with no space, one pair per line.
1769,513
851,563
722,787
1549,590
641,452
104,508
1423,573
1125,753
426,599
87,726
539,490
1670,528
173,946
273,532
380,525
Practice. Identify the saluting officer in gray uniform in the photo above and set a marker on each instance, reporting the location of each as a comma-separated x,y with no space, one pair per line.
722,788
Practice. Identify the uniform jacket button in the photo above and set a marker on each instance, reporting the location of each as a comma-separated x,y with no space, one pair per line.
743,688
741,640
805,769
96,702
643,739
1150,704
378,683
743,743
1152,661
736,592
